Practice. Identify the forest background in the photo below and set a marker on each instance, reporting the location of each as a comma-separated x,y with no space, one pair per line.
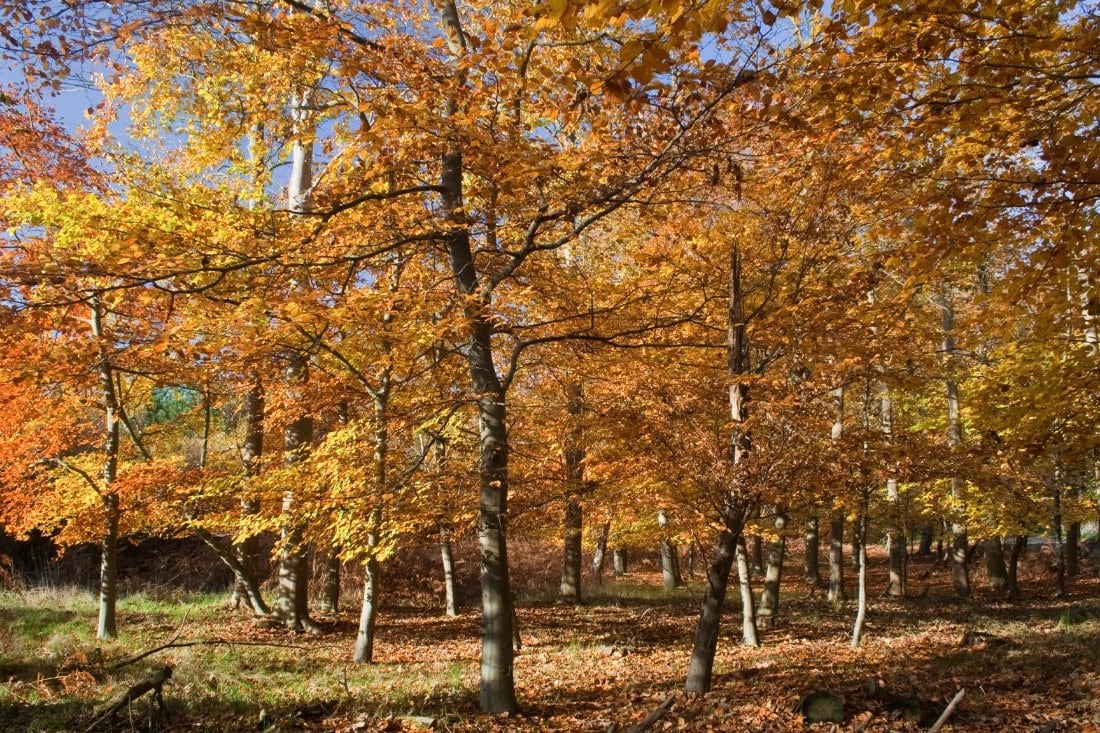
336,279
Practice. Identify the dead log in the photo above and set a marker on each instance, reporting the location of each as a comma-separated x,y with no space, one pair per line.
153,683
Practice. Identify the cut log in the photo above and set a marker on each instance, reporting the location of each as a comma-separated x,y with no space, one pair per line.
153,683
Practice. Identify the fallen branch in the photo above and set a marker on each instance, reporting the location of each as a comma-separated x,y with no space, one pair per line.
653,717
200,642
947,711
154,682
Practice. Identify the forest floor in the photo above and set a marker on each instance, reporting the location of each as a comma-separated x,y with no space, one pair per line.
1034,666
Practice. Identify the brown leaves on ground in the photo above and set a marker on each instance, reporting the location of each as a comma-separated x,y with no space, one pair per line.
1033,665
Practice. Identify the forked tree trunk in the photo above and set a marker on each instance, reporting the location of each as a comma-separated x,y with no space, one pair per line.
995,565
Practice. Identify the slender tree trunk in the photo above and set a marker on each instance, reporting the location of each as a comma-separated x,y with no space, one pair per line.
811,559
861,605
1060,545
836,557
368,614
995,565
570,588
108,567
1018,547
497,688
895,534
701,665
601,552
960,568
448,570
749,636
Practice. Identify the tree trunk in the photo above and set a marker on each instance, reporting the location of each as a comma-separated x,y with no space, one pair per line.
1014,563
836,557
995,565
292,601
757,554
811,559
895,534
749,636
601,552
618,561
330,598
247,585
108,569
701,665
927,535
368,613
108,566
570,589
861,604
768,609
448,571
1060,545
670,570
960,569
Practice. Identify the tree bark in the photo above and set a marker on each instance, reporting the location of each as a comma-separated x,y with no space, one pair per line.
756,547
247,585
108,567
861,604
670,571
768,609
927,535
995,565
330,597
601,552
836,558
570,587
701,665
497,688
960,569
448,571
1018,547
618,561
749,635
812,558
368,613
